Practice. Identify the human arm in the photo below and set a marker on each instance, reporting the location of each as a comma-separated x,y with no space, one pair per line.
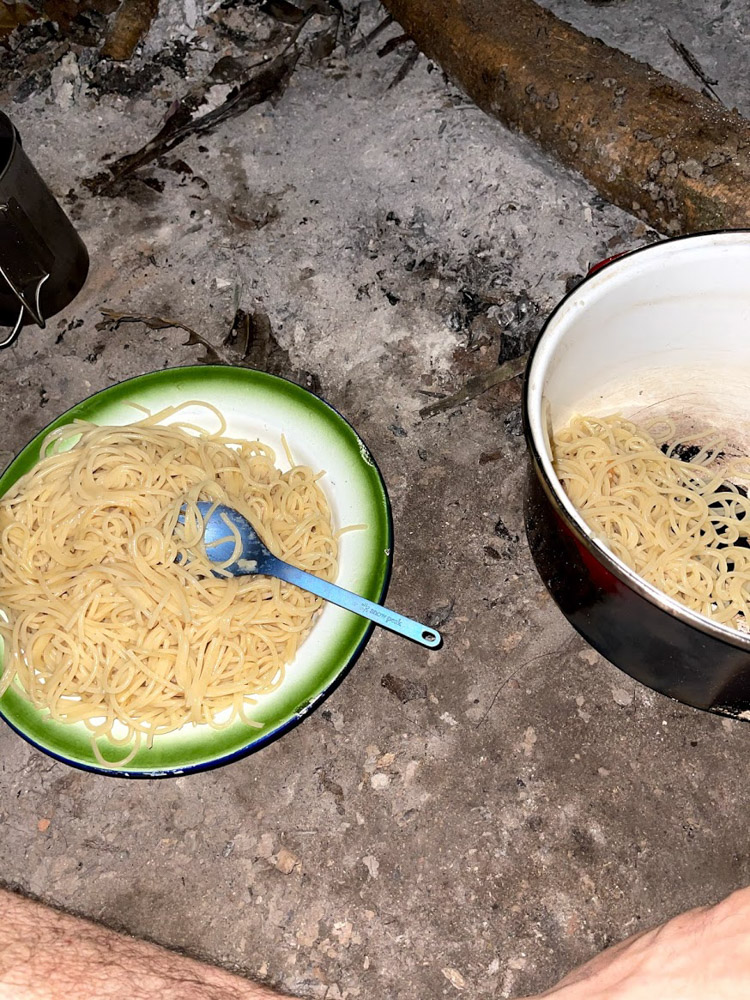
703,954
46,954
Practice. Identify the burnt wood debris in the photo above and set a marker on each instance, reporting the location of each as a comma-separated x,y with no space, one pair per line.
674,157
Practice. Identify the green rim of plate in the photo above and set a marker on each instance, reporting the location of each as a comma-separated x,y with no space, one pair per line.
317,434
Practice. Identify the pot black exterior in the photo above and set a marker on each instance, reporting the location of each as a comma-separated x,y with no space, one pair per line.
36,236
646,641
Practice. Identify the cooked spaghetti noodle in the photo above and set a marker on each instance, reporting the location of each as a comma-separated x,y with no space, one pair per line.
113,615
681,525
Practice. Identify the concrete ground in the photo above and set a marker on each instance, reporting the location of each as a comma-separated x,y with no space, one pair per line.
473,820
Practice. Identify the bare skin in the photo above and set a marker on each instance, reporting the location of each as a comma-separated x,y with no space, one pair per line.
703,954
45,955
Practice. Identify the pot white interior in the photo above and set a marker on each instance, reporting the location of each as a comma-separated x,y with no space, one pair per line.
664,332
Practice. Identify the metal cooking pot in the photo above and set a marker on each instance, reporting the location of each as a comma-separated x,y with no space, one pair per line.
43,261
664,330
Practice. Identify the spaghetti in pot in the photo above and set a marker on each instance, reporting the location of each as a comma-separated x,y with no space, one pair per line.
110,613
680,525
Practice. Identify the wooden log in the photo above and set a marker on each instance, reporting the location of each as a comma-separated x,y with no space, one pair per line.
649,144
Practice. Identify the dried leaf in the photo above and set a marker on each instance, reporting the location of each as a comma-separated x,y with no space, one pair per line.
404,689
240,333
266,80
283,11
211,355
691,61
476,385
378,30
392,44
406,67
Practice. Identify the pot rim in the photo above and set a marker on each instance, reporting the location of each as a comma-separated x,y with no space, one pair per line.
554,489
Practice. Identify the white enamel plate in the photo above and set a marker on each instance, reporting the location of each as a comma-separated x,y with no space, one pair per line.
256,406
